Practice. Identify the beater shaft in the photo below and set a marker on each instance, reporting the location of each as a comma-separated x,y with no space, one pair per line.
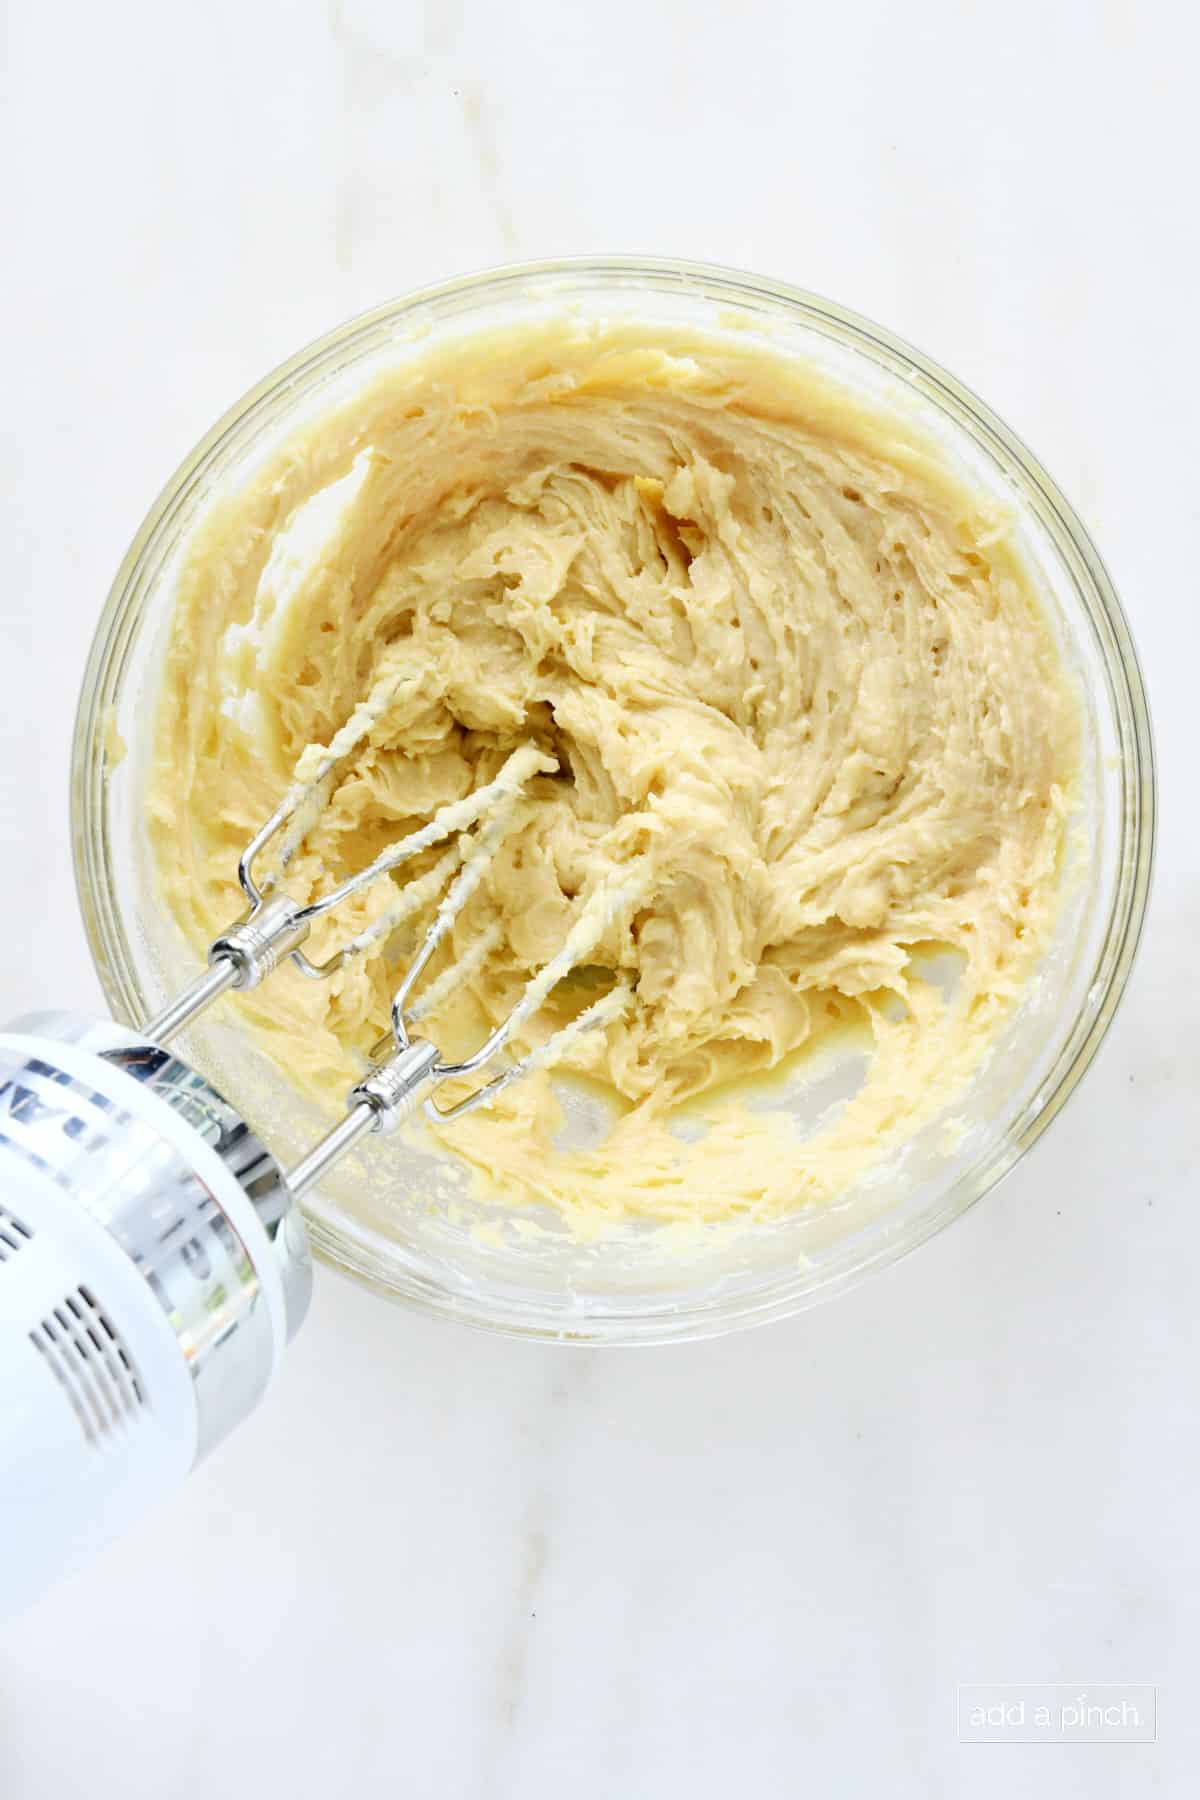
309,1171
378,1102
195,999
240,958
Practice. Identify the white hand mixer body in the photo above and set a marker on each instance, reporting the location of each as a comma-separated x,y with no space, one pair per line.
153,1262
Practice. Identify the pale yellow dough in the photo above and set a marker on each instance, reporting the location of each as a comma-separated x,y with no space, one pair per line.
801,696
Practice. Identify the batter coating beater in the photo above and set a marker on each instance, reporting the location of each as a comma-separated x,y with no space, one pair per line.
800,698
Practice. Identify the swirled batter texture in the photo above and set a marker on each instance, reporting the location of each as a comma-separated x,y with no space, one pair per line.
798,690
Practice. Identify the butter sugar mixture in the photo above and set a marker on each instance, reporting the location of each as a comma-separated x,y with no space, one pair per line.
792,689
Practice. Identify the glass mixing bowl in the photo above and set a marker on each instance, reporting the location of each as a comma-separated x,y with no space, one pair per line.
395,1217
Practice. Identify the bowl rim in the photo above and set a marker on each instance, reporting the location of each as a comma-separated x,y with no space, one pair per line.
116,629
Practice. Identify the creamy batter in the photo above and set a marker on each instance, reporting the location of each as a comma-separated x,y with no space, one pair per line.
794,696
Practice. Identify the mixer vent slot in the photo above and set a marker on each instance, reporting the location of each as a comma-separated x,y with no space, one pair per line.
91,1364
13,1235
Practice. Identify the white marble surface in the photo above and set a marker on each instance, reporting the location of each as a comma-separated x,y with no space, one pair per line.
439,1564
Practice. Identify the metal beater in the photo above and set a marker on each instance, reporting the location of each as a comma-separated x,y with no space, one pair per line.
276,927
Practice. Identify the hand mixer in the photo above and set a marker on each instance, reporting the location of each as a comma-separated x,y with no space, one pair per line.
153,1263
